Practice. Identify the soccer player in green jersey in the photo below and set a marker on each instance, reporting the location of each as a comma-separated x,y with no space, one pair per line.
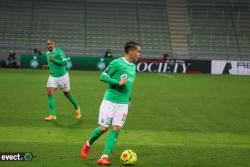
59,78
120,75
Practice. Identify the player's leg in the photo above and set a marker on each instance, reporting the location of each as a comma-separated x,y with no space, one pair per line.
110,143
97,132
51,104
65,85
111,140
51,89
118,121
73,101
104,120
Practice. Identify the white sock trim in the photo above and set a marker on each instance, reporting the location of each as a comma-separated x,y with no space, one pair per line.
105,156
88,143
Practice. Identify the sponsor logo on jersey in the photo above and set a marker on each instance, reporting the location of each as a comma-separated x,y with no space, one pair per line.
124,76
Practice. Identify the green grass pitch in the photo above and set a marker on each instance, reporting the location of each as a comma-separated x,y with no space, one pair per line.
177,120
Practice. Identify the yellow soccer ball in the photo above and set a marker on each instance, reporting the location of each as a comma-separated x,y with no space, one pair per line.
128,157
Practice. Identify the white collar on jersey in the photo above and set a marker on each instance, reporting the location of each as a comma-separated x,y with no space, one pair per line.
126,61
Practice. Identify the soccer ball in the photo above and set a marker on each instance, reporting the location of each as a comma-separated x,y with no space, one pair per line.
128,157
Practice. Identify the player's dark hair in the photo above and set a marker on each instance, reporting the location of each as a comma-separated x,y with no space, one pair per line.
131,45
50,39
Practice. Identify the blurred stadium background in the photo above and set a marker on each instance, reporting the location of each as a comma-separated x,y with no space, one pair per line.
187,29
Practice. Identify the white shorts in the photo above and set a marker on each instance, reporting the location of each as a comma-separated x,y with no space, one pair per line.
112,113
59,82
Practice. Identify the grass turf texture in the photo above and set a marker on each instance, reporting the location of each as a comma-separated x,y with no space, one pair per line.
176,120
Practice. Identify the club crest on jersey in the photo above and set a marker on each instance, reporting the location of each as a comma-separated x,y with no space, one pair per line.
124,76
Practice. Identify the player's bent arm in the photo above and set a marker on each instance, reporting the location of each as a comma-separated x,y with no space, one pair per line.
107,79
60,62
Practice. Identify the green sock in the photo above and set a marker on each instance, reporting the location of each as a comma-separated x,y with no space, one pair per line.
51,103
110,143
95,135
73,101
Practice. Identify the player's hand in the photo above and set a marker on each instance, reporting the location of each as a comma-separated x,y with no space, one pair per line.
51,58
122,82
